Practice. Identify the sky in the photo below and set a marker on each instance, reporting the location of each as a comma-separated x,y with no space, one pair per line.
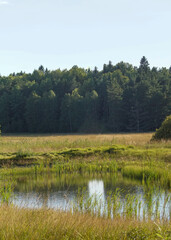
87,33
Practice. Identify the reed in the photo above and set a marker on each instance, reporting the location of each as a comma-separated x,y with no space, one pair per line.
6,190
119,204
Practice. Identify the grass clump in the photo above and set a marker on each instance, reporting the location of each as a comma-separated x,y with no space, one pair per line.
75,152
147,173
23,154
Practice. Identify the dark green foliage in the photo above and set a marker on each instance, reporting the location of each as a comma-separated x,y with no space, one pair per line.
164,132
120,98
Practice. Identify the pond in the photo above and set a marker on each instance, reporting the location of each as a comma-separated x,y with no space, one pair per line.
105,195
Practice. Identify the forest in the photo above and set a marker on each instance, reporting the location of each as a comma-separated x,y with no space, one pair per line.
119,98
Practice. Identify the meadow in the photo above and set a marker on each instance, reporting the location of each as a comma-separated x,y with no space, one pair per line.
133,156
48,143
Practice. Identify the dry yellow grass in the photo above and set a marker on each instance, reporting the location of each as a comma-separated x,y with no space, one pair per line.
48,224
46,143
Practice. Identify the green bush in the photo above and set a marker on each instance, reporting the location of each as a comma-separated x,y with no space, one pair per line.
164,132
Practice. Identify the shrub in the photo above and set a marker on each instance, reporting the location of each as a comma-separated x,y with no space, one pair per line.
164,132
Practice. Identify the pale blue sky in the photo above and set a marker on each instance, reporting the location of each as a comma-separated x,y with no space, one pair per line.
87,33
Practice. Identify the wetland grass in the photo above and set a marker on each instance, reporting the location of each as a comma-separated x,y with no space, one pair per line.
125,205
47,224
132,155
144,165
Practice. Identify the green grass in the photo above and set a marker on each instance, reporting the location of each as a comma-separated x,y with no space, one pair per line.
162,175
133,162
117,150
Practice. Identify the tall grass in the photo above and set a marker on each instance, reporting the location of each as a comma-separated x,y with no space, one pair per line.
47,224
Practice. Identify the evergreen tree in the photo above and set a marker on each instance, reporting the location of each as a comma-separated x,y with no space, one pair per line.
121,97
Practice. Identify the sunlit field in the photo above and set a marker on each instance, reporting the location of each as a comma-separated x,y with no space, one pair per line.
47,143
56,168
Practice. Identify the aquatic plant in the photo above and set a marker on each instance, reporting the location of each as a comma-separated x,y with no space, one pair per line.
6,190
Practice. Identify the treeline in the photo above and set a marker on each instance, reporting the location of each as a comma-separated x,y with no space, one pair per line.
120,98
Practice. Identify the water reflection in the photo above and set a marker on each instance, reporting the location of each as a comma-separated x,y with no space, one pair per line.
96,189
61,192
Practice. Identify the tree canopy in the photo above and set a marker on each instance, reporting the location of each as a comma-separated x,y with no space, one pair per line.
120,98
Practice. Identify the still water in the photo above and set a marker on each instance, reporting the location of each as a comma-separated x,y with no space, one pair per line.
105,194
